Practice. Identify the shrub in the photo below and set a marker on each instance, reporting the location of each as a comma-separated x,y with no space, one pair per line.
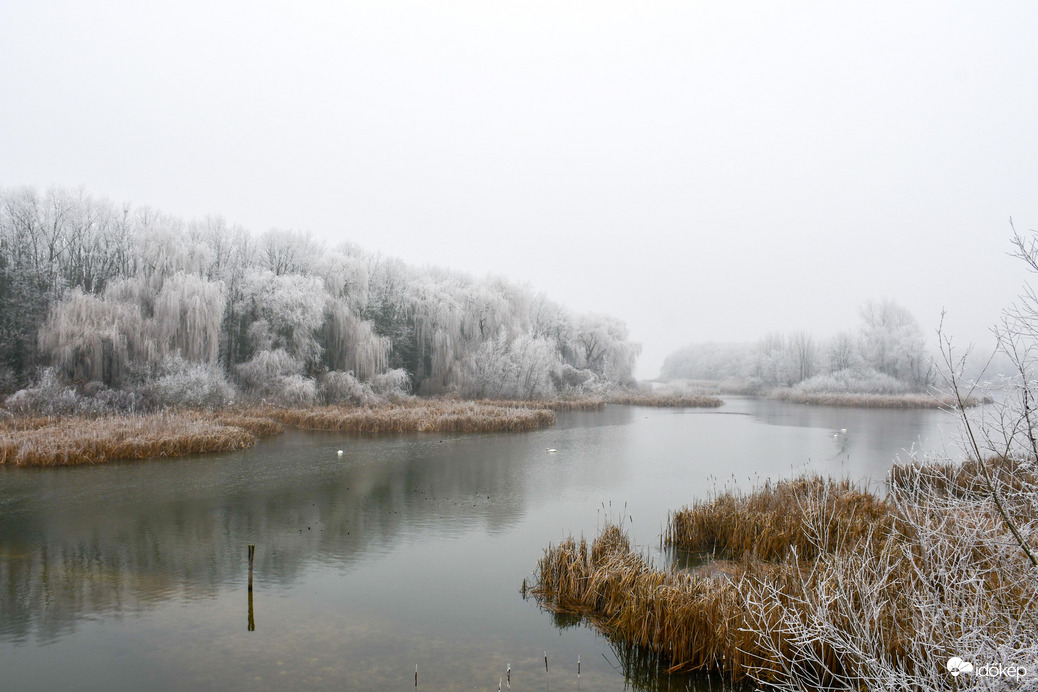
393,384
339,387
186,383
852,381
48,397
295,390
265,372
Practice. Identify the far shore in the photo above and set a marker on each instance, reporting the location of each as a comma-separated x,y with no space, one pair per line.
904,400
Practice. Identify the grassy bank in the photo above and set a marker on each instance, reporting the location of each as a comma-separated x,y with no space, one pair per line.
418,415
586,403
823,586
913,400
71,440
667,400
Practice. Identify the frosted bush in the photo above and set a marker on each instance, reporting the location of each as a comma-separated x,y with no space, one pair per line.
295,390
853,381
568,378
393,384
339,387
97,401
48,397
265,370
184,383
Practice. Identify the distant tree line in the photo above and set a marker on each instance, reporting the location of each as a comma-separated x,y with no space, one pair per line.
128,298
887,354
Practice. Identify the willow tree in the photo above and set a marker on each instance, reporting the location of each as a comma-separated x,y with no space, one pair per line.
188,314
351,344
90,338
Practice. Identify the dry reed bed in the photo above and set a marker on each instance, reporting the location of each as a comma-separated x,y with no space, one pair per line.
872,594
576,404
869,400
437,415
79,440
260,423
70,441
777,518
667,400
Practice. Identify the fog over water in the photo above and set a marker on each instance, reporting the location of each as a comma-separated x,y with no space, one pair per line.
702,170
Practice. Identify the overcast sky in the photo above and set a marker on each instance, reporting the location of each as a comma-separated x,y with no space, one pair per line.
702,170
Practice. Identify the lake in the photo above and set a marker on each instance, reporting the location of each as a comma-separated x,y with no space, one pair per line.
406,550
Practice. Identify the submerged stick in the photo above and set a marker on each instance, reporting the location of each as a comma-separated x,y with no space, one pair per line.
252,617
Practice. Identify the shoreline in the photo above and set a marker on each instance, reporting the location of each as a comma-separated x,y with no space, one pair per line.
27,441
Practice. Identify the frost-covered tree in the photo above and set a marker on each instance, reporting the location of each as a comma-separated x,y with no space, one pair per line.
602,346
105,291
287,311
188,316
521,368
91,338
893,343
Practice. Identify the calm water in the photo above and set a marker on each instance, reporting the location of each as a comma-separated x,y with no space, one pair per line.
406,550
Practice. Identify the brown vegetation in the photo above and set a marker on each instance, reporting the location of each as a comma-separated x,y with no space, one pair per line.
428,415
829,588
68,441
585,403
59,441
667,400
779,518
916,400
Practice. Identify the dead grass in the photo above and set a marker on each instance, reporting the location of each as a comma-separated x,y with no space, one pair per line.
259,424
78,440
71,441
564,404
430,415
778,518
824,586
667,400
869,400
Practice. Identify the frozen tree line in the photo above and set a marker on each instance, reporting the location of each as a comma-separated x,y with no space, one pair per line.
886,355
114,300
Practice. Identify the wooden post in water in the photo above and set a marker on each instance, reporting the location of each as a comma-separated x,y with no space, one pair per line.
252,618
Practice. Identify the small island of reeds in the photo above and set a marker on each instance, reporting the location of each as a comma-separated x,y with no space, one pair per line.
819,584
72,440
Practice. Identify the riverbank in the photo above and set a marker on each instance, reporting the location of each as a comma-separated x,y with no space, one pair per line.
865,400
851,398
70,440
819,585
73,440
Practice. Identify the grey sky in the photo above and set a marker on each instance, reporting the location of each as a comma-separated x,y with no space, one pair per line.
702,170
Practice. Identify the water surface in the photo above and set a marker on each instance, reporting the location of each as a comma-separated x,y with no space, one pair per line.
406,550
